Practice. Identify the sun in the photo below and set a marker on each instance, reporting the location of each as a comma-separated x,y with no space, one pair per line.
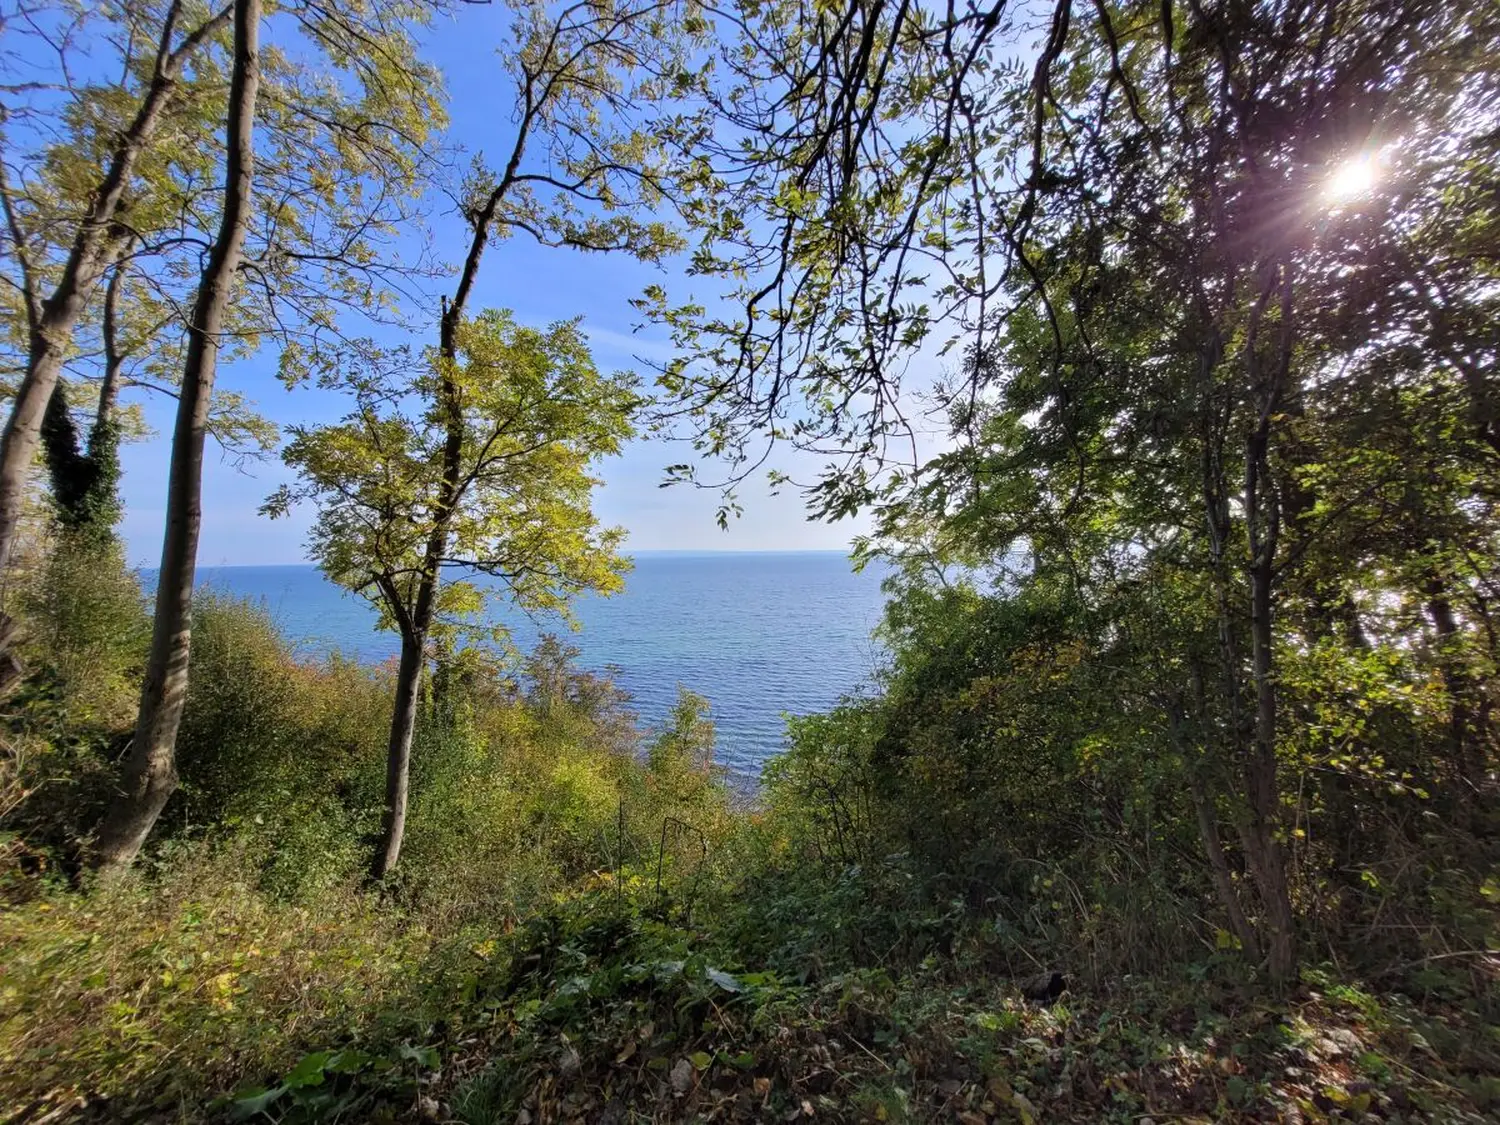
1351,179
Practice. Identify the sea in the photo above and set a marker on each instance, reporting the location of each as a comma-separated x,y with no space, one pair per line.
760,634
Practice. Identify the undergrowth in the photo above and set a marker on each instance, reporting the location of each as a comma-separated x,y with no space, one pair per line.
588,926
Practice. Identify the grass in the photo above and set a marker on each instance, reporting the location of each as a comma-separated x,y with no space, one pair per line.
190,994
150,996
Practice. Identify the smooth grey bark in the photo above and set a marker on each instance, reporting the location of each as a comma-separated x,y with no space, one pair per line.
53,319
398,760
150,774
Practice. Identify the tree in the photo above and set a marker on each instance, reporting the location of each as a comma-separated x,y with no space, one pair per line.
150,774
120,171
52,315
1174,329
584,77
488,456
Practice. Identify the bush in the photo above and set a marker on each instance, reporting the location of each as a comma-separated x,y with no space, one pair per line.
289,752
88,624
84,632
160,994
541,783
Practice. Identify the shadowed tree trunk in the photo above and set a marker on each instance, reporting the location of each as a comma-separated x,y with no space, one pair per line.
1251,738
1208,826
1468,715
150,773
1264,849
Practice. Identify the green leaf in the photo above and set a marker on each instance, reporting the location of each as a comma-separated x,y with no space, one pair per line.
425,1057
308,1072
248,1105
723,980
348,1061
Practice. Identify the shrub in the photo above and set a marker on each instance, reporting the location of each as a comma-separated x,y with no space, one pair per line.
84,630
162,993
289,752
88,624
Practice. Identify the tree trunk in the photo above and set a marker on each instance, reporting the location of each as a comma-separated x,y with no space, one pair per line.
55,319
100,510
398,759
1263,848
150,771
416,627
1267,856
23,429
1218,863
1208,829
413,648
114,360
1467,718
1253,736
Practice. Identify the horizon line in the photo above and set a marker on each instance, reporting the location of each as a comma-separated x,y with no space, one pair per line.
629,554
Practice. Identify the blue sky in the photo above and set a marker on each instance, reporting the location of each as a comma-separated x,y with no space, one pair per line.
541,285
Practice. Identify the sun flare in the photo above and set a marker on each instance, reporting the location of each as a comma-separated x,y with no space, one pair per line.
1351,179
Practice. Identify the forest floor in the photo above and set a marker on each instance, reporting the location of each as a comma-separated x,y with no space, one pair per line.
598,1013
627,1036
